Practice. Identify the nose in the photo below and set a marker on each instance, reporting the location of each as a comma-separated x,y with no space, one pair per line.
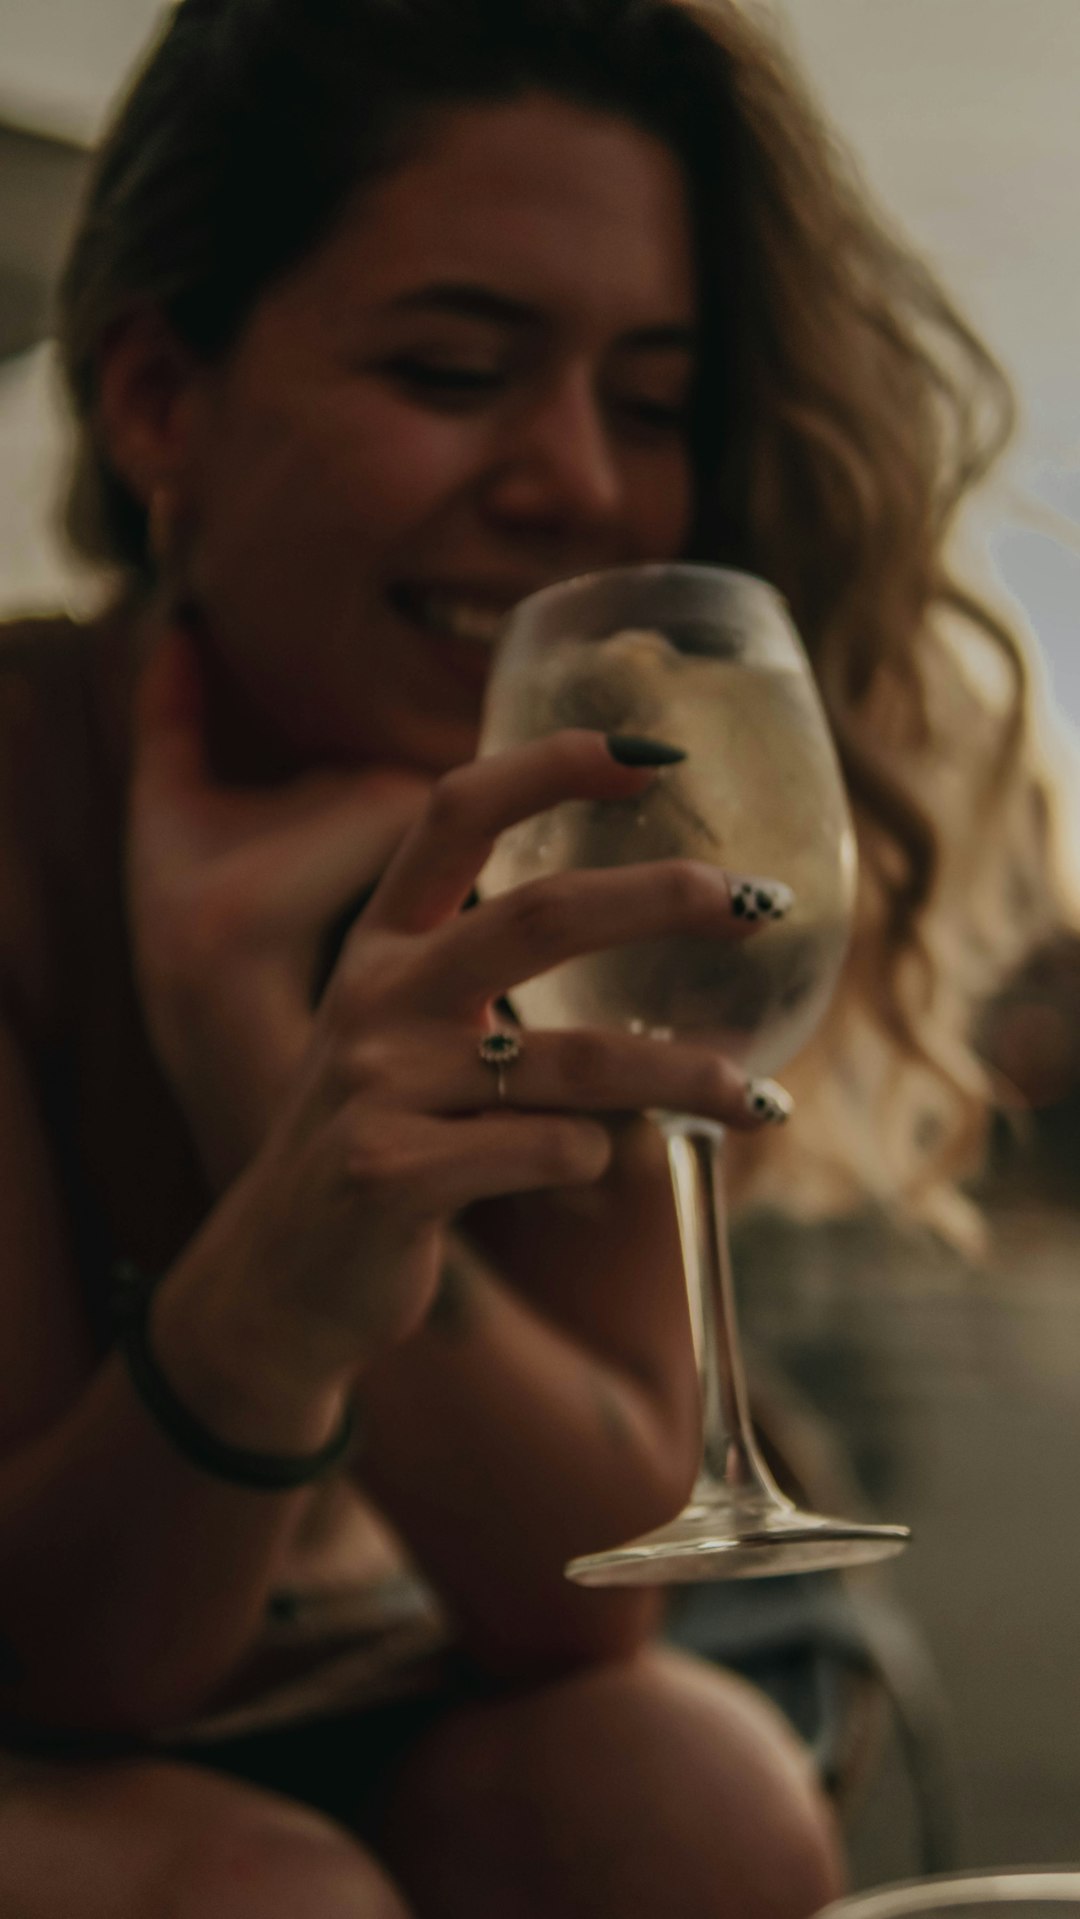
557,471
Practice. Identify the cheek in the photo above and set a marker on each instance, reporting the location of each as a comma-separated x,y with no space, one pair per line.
664,507
313,503
391,468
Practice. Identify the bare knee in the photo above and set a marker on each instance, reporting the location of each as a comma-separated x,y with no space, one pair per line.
656,1785
251,1870
137,1841
772,1820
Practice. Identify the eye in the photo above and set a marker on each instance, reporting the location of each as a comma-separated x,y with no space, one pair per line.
452,382
650,418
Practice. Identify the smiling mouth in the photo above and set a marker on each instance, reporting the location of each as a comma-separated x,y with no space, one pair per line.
451,616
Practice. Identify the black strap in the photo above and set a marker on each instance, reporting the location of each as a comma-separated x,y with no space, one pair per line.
265,1472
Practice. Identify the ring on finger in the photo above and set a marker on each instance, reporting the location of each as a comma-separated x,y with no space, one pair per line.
499,1051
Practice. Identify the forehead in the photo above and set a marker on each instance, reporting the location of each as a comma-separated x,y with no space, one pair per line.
548,201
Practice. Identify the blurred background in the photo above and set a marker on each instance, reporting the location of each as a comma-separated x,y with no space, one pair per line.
949,1391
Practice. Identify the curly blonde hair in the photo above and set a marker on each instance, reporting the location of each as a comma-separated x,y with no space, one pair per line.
844,412
873,410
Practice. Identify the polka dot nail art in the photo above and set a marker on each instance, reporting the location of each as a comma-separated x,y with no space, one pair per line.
753,900
769,1101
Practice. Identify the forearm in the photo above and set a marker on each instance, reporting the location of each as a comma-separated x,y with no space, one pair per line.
131,1580
500,1447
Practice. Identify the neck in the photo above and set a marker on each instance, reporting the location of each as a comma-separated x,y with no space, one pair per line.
244,746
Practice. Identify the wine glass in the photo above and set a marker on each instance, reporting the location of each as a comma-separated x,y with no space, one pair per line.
706,659
1035,1892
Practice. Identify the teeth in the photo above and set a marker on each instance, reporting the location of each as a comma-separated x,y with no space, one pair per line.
462,620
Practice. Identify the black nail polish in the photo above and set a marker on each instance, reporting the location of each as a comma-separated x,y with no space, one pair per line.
631,750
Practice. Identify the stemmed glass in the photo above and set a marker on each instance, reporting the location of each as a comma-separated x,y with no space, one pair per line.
1036,1892
706,659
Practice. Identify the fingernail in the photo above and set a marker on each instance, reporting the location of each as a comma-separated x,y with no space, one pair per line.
760,900
631,749
768,1101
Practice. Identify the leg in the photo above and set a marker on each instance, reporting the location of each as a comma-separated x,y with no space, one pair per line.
152,1840
654,1786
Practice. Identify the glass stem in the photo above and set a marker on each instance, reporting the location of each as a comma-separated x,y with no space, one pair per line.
730,1460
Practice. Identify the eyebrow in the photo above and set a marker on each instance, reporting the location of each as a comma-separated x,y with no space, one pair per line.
468,301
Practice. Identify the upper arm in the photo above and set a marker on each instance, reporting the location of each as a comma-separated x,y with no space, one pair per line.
46,1348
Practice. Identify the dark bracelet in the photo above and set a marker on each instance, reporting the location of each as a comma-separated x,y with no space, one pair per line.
267,1472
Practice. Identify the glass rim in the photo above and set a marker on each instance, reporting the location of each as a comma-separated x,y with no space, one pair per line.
1002,1885
652,569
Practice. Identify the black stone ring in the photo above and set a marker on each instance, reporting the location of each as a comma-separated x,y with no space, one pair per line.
498,1051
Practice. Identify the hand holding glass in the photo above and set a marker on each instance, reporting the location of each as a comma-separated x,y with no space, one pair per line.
706,660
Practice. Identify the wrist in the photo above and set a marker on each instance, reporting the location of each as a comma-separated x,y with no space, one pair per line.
235,1377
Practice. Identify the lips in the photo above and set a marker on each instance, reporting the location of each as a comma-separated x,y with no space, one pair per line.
459,614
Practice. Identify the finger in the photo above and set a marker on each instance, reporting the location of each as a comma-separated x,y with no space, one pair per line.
438,1069
587,1070
449,1165
532,928
437,865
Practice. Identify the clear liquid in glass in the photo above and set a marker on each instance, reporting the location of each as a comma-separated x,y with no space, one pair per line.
760,793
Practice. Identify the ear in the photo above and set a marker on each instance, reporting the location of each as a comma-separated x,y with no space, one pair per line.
148,382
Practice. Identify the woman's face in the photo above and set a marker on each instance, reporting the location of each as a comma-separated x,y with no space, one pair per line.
478,384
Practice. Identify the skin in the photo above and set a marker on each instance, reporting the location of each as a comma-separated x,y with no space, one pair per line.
295,735
479,383
367,432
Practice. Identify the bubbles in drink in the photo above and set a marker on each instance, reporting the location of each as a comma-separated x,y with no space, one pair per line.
759,793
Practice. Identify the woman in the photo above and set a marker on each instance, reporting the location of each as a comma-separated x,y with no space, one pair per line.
379,316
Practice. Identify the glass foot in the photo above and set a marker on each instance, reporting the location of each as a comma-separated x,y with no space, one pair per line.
716,1539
